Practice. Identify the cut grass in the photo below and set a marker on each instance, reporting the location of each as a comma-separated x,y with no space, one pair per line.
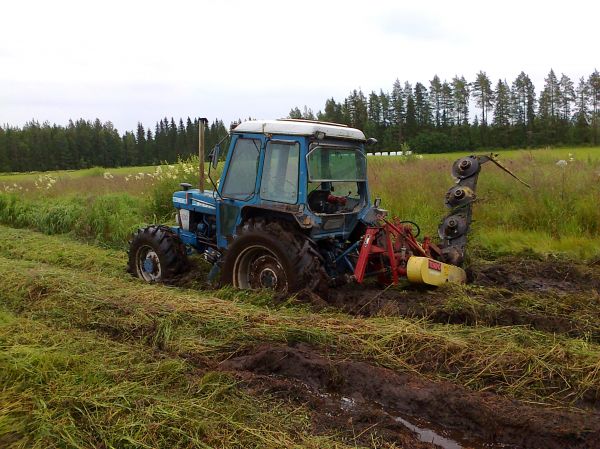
510,360
89,290
24,244
70,388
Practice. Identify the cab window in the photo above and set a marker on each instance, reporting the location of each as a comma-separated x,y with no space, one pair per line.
280,172
240,179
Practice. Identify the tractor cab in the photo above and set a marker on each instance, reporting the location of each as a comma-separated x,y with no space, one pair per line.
311,174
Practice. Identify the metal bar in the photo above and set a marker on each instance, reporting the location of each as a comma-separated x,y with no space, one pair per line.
348,251
391,256
201,125
365,251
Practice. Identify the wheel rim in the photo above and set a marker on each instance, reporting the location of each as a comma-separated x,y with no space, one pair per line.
257,267
148,264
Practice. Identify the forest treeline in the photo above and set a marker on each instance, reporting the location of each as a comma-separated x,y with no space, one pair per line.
439,116
83,144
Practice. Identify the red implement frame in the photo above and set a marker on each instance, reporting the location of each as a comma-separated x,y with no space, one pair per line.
387,248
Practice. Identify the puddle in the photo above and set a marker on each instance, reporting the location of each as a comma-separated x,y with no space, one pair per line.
429,436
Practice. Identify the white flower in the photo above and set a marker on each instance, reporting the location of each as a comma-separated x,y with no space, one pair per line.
562,163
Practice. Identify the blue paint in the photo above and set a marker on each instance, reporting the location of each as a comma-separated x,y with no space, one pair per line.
149,266
214,218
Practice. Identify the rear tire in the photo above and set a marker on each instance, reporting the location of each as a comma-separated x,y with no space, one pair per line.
156,254
273,255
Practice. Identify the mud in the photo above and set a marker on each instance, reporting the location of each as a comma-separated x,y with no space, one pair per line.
528,274
367,402
493,305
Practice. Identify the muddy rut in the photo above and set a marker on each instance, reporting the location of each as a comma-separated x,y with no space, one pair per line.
403,408
503,285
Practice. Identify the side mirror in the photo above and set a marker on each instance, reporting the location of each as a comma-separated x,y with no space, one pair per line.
371,141
214,156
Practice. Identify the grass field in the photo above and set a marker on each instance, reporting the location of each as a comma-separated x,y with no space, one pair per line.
91,357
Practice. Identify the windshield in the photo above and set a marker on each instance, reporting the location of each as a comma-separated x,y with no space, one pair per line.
336,164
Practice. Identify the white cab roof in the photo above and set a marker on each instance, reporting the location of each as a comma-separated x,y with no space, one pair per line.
300,128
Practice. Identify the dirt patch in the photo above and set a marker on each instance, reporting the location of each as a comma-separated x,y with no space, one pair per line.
524,274
509,292
376,397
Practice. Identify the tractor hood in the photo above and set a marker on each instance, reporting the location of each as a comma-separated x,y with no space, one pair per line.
196,200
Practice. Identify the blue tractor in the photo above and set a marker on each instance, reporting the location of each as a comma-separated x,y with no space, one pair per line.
292,211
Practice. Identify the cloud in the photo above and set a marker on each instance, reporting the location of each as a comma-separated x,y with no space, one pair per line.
420,25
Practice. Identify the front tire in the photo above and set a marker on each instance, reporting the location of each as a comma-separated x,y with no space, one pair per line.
272,255
156,254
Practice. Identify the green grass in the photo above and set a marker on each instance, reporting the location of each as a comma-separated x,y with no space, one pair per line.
96,172
91,357
517,361
72,388
558,215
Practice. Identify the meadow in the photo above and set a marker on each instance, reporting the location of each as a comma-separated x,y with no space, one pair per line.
557,215
91,357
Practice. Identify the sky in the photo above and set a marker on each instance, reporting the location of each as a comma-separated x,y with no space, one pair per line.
137,61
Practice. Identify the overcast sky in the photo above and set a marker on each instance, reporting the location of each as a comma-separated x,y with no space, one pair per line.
130,61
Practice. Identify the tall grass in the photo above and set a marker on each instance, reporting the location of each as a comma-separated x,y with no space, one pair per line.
558,214
107,219
560,207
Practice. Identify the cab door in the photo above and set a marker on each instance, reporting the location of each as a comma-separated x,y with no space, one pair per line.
239,184
281,171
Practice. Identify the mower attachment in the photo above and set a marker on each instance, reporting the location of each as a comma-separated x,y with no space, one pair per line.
391,251
454,228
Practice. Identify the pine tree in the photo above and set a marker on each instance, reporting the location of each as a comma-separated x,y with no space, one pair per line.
567,97
374,112
422,106
333,112
594,89
524,97
398,110
295,113
582,113
358,109
411,113
483,94
140,144
460,94
550,98
502,111
447,104
436,95
385,102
